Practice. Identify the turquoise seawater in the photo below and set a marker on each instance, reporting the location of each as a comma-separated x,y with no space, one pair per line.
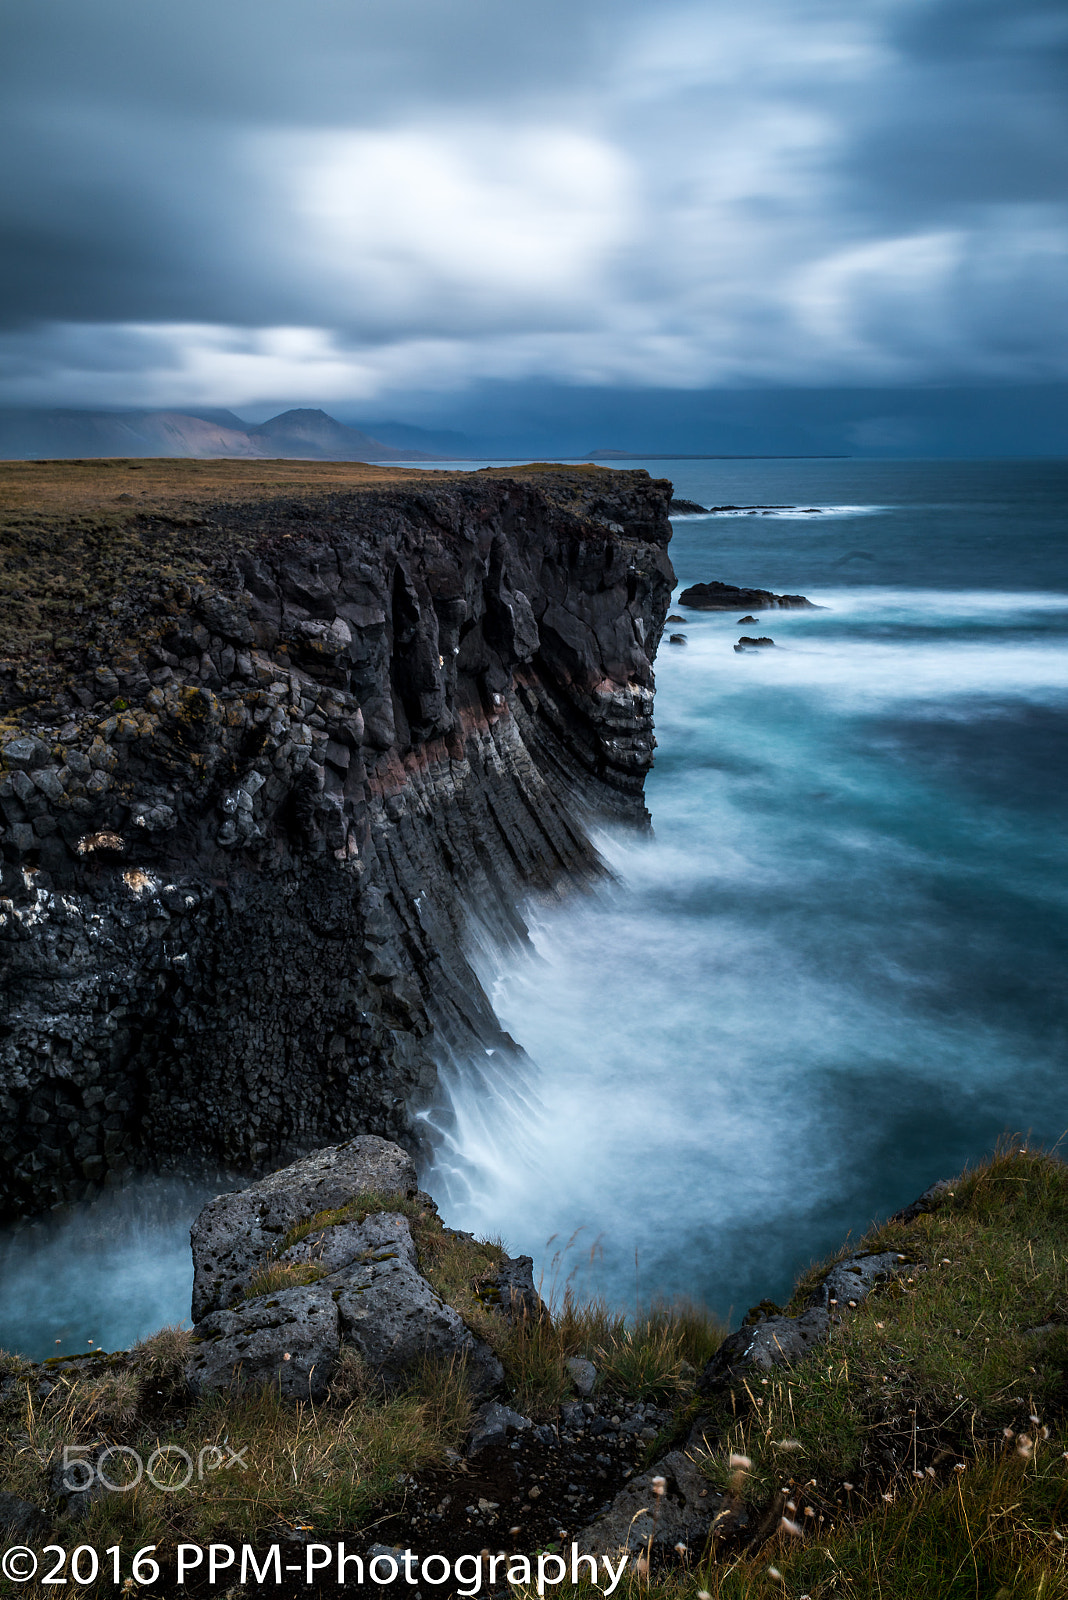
836,970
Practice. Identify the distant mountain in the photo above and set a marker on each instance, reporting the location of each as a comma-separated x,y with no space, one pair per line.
412,440
314,435
295,435
175,433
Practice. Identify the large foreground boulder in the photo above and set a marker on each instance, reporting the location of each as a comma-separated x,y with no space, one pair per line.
276,1313
289,1340
236,1233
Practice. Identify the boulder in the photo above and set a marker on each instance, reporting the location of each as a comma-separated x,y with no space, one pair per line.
18,1519
851,1281
686,1507
716,596
746,643
383,1236
395,1319
511,1289
686,508
773,1342
929,1200
75,1485
289,1340
494,1421
235,1233
583,1375
367,1289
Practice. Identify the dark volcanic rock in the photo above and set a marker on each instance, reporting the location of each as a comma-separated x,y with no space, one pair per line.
779,1340
726,597
494,1421
367,1292
746,643
686,508
235,1232
289,1339
393,1317
747,621
246,817
18,1519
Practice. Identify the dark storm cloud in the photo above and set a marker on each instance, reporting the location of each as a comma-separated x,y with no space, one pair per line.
347,198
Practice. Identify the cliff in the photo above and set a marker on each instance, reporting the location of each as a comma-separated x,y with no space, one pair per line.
271,735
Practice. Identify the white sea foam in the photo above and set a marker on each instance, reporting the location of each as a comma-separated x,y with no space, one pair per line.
874,648
111,1272
781,513
796,1003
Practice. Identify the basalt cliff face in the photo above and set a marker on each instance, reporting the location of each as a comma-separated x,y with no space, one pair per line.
267,747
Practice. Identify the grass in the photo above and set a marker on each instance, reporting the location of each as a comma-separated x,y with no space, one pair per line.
259,1464
277,1275
366,1204
656,1357
923,1450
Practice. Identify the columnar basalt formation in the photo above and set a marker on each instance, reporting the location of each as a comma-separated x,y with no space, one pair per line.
269,749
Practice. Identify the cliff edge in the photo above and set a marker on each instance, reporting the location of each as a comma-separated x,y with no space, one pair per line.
271,734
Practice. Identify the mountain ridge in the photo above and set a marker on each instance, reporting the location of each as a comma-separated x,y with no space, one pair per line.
297,434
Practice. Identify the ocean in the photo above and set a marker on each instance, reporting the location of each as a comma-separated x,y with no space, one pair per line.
834,971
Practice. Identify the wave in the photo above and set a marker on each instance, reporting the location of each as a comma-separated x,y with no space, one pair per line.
783,512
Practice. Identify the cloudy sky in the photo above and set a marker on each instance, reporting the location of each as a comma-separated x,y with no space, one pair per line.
252,203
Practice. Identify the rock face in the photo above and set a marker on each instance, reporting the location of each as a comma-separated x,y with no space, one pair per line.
725,597
248,816
367,1291
779,1340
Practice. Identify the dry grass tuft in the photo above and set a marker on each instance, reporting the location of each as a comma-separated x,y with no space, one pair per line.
276,1275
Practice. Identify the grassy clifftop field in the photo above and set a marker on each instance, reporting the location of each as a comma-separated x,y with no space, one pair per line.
920,1451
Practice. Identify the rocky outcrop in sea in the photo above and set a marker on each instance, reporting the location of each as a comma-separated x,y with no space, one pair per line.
717,596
